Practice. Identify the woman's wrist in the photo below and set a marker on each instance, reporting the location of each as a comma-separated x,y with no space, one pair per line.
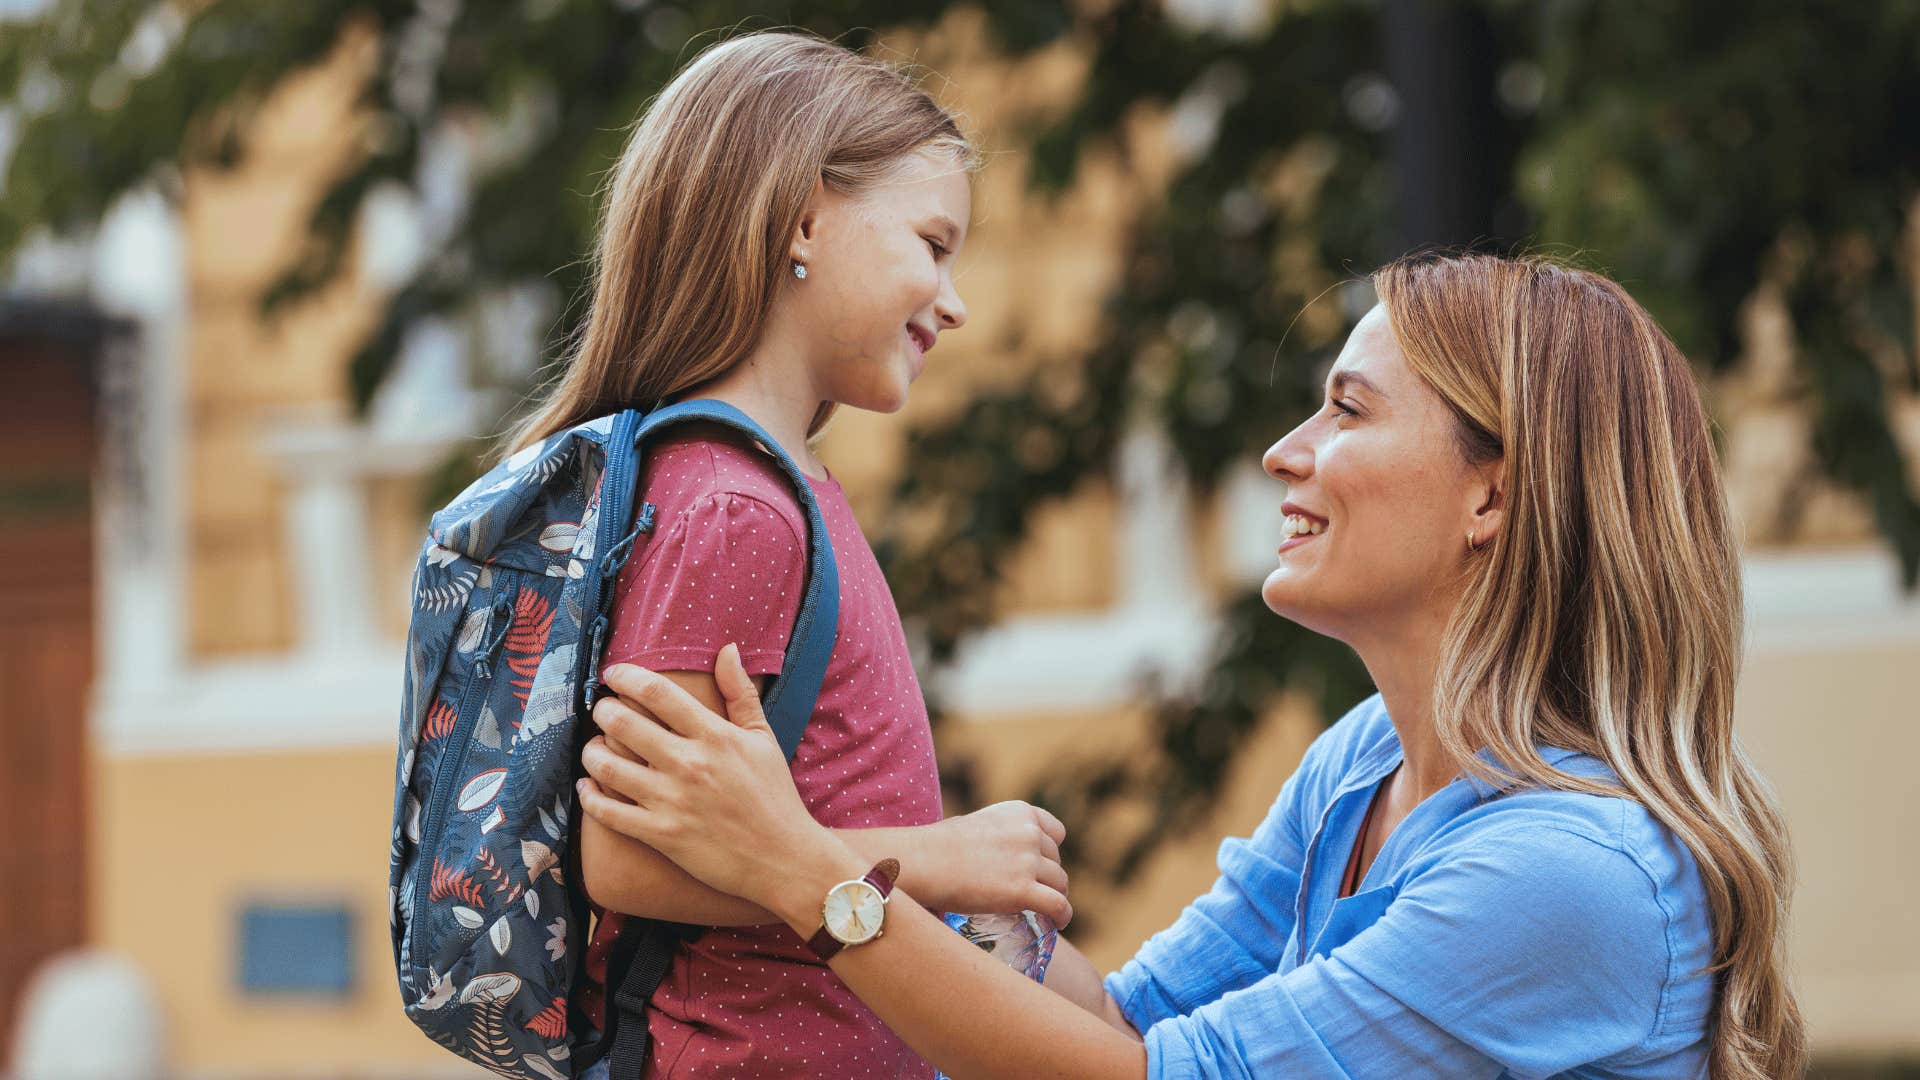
802,887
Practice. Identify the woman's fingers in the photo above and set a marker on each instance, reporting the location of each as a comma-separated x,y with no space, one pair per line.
623,818
661,698
736,687
616,774
638,736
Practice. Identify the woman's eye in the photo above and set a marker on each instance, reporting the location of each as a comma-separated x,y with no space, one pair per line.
1342,406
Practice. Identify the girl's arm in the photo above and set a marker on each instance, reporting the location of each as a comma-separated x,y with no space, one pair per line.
1001,858
1071,975
718,800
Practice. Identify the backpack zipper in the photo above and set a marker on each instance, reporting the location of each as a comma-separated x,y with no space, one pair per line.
446,776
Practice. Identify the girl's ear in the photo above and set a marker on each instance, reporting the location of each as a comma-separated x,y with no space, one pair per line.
807,232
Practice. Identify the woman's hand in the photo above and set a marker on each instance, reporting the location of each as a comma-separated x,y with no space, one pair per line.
1004,857
712,793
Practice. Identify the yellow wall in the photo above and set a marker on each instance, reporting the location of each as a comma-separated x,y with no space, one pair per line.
1838,732
181,843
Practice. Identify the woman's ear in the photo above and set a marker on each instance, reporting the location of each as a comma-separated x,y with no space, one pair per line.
1490,502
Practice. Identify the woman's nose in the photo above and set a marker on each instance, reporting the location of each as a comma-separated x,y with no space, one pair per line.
1290,459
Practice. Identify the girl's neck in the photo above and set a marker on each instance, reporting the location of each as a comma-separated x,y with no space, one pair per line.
777,393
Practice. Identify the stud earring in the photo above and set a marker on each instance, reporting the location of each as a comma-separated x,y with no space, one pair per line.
800,271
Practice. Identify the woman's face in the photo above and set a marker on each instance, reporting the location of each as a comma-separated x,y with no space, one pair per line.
879,287
1381,496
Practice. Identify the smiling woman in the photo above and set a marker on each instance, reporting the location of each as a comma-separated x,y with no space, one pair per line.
1539,851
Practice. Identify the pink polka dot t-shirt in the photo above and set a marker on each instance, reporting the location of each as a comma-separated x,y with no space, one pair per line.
727,562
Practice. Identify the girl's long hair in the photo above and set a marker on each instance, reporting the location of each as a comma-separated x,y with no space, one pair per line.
1605,615
698,212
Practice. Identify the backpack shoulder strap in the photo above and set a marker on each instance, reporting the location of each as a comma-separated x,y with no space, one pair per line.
790,699
646,946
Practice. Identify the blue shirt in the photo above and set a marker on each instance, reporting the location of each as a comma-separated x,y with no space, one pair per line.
1528,934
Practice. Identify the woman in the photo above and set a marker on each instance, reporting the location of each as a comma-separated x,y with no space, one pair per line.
1538,851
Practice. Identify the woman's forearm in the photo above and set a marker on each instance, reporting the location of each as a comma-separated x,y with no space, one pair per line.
939,993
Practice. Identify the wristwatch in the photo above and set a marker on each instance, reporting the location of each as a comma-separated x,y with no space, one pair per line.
853,911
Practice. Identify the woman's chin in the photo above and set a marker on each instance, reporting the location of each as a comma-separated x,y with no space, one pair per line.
1287,596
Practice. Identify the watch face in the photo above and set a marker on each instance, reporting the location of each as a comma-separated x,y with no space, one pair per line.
854,910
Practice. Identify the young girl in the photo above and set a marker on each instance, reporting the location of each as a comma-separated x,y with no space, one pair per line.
780,234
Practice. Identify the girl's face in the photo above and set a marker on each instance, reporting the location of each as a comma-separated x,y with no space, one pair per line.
1380,498
879,287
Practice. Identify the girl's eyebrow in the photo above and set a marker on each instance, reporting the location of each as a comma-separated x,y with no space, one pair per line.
1342,378
952,228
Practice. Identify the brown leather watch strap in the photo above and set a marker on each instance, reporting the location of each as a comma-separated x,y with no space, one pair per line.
881,877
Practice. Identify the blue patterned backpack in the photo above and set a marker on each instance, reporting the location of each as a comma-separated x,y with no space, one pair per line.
510,600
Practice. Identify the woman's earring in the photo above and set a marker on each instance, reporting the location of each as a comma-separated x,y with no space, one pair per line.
1471,544
800,271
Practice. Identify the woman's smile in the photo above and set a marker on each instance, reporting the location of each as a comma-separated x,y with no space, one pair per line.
1299,528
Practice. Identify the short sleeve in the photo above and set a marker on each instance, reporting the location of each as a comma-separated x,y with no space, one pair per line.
1532,950
729,568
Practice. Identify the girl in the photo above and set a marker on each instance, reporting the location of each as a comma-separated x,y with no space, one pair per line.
780,234
1539,851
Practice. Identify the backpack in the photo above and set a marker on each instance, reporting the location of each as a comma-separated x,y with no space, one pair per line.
510,598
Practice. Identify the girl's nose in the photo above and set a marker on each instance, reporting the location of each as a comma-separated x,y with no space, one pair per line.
950,309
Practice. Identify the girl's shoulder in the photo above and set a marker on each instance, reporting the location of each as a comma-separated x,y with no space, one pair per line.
699,464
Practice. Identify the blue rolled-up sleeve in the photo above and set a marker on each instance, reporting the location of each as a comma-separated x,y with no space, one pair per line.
1530,949
1230,937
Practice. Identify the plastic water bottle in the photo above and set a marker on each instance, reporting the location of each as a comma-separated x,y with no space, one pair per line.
1023,941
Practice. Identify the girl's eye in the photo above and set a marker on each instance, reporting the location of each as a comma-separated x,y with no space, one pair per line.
938,250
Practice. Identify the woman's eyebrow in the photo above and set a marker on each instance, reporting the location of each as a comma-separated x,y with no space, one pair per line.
1342,378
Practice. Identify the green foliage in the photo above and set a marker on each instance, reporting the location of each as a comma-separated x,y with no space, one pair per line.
1690,148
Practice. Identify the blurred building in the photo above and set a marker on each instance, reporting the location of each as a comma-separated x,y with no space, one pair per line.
206,584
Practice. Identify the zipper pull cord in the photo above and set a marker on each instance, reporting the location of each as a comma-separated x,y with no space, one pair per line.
502,606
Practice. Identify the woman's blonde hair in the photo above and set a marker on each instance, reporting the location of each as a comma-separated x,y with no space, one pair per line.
692,246
1605,616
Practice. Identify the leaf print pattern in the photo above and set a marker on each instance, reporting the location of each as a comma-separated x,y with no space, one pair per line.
447,595
440,718
552,699
532,622
499,878
550,1022
455,884
538,857
487,1030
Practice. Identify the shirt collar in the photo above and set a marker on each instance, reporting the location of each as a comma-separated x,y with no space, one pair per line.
1386,754
1552,755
